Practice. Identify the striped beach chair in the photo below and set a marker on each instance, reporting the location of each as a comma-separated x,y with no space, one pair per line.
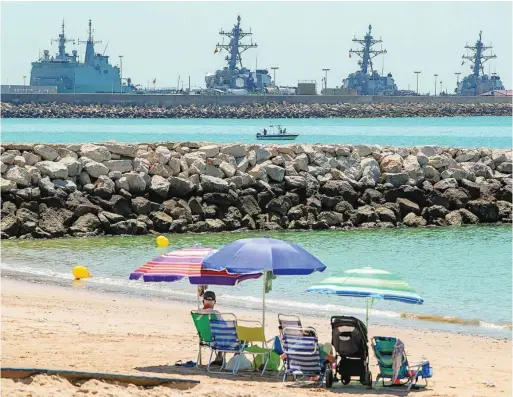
303,358
201,322
224,339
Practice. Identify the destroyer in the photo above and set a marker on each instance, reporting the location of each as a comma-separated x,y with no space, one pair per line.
478,82
235,78
369,83
69,75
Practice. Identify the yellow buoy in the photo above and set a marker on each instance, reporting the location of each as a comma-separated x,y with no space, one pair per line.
162,241
80,272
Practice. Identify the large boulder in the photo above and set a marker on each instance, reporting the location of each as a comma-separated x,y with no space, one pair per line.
331,218
80,205
120,205
210,150
340,188
457,198
160,186
225,199
92,167
54,221
7,185
392,163
395,179
386,215
275,172
31,158
104,187
163,154
46,152
434,214
468,217
279,205
445,184
121,148
95,152
85,224
486,211
54,170
366,214
235,150
161,221
136,182
406,206
294,182
74,166
249,205
18,175
180,187
211,184
413,220
371,173
454,218
119,165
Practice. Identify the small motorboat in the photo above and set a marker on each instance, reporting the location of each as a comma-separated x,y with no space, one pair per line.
280,135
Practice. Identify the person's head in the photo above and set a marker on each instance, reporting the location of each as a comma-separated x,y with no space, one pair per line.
209,300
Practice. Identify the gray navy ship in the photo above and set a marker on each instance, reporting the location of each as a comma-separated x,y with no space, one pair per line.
235,78
478,82
69,75
367,80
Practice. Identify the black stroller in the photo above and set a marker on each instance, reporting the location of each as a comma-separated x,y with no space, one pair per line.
349,338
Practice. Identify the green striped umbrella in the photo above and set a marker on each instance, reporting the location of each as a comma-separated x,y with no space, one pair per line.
368,283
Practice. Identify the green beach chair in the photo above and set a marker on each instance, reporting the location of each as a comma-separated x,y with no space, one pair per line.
202,325
408,374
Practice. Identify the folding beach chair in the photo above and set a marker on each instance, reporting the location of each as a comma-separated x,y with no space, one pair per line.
252,337
286,320
408,374
204,333
303,358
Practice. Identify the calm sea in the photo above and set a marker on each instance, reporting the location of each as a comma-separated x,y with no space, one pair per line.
463,274
493,132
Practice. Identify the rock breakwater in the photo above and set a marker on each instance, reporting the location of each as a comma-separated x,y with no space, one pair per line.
267,110
123,188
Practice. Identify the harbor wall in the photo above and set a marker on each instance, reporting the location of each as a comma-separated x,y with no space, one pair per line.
231,100
125,189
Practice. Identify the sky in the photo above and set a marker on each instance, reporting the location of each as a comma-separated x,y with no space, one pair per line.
165,40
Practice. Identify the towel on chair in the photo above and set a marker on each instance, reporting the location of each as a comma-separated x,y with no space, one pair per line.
397,359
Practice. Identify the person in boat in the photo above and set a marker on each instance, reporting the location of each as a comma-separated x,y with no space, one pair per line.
284,131
265,131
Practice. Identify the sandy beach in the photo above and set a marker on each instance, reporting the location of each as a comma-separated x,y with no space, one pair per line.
54,327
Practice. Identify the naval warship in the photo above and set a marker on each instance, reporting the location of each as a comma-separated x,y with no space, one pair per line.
367,80
478,82
235,78
69,75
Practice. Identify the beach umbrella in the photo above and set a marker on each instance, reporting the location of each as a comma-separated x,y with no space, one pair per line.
263,255
368,283
187,263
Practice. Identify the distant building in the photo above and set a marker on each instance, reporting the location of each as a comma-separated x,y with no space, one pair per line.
498,93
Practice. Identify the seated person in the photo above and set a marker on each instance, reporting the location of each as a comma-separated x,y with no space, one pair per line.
209,301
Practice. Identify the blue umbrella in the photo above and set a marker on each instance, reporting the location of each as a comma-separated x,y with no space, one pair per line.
263,255
256,255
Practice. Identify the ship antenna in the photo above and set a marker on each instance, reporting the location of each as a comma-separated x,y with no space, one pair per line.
105,48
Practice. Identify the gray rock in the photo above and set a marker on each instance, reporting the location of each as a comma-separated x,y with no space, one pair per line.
124,149
457,198
192,157
362,150
92,167
501,155
159,186
141,165
506,167
53,170
438,161
446,184
454,218
467,155
331,218
386,215
428,151
67,185
86,223
301,162
210,150
175,165
486,211
422,159
104,187
141,206
18,174
19,161
63,153
478,169
119,165
395,179
275,172
468,217
8,158
3,167
54,220
94,152
235,150
212,184
74,166
180,187
115,175
434,213
431,174
457,174
392,163
198,167
46,152
213,171
7,185
163,154
160,170
227,169
413,220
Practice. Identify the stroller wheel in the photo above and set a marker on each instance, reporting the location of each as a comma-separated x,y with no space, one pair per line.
346,380
329,378
369,380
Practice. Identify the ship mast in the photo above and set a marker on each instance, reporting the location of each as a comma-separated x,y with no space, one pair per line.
62,43
366,53
89,55
235,47
477,58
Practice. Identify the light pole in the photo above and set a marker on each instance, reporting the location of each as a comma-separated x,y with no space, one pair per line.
24,78
417,72
326,70
121,72
435,82
441,91
274,69
457,79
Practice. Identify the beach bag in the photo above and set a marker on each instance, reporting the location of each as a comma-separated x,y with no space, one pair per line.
245,364
272,365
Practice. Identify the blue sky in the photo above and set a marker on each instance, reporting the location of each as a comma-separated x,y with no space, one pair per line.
163,40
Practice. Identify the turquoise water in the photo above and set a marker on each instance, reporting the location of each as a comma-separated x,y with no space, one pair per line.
493,132
464,273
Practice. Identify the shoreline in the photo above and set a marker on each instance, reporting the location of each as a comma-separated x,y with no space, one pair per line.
47,326
403,320
252,111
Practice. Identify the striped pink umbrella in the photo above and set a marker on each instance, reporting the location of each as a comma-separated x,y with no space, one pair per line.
187,263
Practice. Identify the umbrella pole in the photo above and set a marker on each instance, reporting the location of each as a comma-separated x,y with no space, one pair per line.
198,296
263,302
